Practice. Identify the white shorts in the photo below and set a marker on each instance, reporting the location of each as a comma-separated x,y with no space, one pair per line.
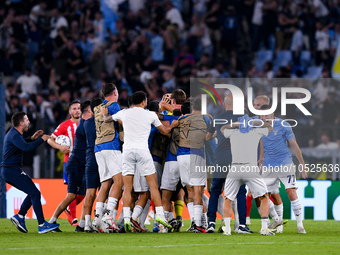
272,180
109,163
192,170
170,177
255,183
139,182
137,159
159,171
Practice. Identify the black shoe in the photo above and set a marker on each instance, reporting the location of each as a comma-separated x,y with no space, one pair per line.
57,230
198,229
179,224
135,225
79,229
173,224
192,227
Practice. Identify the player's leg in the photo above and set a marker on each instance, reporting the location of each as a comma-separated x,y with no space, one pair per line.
215,192
138,210
249,205
127,198
242,210
278,206
198,208
144,215
87,208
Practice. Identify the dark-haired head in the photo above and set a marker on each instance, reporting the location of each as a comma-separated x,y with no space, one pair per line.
95,102
186,108
138,97
17,118
108,89
85,105
154,106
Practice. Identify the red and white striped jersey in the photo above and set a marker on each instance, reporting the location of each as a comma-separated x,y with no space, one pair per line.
67,128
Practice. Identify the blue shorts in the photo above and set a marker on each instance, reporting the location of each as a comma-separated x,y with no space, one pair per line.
92,175
75,172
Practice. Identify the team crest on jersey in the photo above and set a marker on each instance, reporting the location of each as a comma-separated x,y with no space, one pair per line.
275,132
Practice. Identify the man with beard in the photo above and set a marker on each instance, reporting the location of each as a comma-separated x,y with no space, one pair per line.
68,128
14,146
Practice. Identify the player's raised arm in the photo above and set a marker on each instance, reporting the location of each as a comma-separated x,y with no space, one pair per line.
299,156
166,130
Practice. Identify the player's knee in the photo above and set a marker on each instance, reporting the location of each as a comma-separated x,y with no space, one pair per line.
36,193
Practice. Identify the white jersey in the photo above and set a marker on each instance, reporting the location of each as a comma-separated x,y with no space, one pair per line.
244,145
137,125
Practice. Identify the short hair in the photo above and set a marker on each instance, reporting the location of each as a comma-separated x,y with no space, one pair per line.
179,96
197,104
84,105
138,97
17,118
263,97
108,89
95,102
74,102
186,108
265,107
154,106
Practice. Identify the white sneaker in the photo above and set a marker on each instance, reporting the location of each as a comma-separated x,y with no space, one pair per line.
226,231
99,225
248,221
162,229
90,229
275,224
301,230
110,224
267,232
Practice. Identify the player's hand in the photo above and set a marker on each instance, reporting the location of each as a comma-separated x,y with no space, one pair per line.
36,135
64,149
44,137
303,172
174,123
105,111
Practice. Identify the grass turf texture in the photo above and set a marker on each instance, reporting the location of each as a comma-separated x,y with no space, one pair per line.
323,237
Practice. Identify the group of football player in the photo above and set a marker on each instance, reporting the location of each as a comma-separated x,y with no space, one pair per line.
156,154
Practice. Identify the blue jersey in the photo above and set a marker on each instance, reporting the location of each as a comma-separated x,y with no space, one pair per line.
90,133
187,151
115,144
223,151
79,150
276,152
153,131
169,155
14,145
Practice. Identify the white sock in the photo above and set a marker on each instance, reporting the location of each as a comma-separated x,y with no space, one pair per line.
82,223
190,207
126,214
160,211
137,211
113,214
205,200
220,205
227,222
111,204
99,209
264,223
88,220
279,210
204,219
166,215
53,219
297,209
198,211
144,214
171,216
272,212
234,208
104,207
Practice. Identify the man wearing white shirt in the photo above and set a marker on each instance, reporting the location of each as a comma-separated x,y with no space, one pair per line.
57,21
297,43
174,16
137,125
28,82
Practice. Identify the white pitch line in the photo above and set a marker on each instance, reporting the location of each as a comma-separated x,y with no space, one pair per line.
170,245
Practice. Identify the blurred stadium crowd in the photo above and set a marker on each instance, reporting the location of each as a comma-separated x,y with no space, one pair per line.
53,52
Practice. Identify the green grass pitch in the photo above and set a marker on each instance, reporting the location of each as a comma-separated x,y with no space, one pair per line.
323,237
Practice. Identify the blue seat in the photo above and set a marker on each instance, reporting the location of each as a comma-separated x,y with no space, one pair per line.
283,58
263,56
305,58
314,72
